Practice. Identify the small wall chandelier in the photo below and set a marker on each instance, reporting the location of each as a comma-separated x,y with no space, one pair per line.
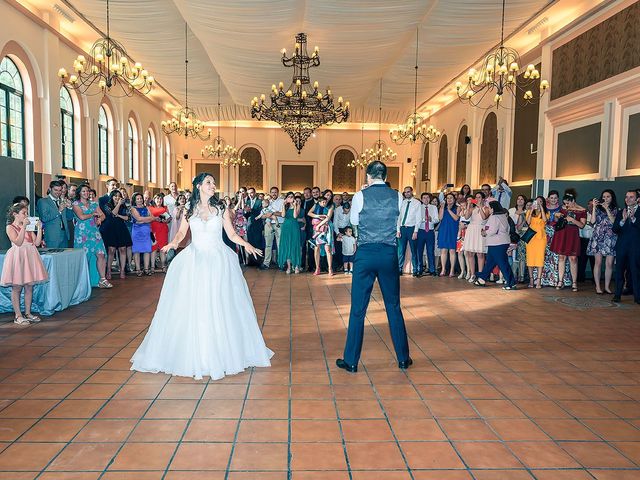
300,109
499,74
362,160
380,151
186,122
108,66
414,129
218,149
234,159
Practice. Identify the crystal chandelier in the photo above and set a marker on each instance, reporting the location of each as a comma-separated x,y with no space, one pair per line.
300,109
499,74
380,151
186,122
414,129
234,159
109,66
218,149
362,160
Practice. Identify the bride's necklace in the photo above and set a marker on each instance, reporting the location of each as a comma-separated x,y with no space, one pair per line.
200,211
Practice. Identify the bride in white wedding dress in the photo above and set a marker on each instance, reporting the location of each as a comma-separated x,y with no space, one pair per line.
205,323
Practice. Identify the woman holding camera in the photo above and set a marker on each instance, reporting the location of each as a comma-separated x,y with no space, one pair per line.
87,232
537,217
289,251
114,231
603,241
566,241
160,230
474,242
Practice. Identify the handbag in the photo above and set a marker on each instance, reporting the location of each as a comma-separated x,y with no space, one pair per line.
560,224
528,234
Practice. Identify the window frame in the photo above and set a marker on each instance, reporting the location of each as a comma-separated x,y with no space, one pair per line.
103,135
70,117
5,130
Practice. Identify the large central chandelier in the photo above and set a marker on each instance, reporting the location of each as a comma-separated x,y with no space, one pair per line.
108,66
499,75
414,129
218,149
300,109
186,122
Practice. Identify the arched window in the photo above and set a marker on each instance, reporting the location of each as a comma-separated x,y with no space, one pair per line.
342,175
151,156
103,142
426,164
67,130
167,161
461,157
11,110
443,161
251,175
489,150
132,147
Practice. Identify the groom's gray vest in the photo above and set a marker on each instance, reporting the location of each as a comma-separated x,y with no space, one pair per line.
379,215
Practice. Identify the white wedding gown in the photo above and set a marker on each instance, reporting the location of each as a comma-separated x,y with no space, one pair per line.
205,323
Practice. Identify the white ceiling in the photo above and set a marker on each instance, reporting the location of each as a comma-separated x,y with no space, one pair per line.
360,42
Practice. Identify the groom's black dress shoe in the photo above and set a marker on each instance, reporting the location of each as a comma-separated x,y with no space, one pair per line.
345,366
406,364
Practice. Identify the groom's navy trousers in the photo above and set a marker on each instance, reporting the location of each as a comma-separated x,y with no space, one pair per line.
375,261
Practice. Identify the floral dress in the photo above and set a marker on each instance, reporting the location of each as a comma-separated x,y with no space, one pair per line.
550,272
240,223
603,241
86,234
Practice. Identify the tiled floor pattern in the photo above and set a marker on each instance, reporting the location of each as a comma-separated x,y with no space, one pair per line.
506,386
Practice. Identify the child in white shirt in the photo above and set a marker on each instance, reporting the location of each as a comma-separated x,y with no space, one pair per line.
348,250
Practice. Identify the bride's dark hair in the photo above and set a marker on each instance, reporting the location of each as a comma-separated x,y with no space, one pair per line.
214,201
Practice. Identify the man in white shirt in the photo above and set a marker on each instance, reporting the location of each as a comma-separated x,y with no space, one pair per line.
375,210
429,218
407,229
340,222
272,224
502,193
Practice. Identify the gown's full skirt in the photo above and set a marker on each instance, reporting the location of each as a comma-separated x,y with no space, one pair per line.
205,323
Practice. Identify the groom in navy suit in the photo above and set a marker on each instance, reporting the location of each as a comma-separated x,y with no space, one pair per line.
374,212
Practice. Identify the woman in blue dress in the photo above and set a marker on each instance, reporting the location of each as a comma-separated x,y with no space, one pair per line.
141,233
86,234
448,234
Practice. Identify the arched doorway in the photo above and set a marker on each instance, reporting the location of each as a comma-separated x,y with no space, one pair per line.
252,175
343,177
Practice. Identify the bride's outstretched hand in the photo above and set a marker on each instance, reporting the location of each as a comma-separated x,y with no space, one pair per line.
256,252
167,247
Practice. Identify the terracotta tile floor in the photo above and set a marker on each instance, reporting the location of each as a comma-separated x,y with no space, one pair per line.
506,385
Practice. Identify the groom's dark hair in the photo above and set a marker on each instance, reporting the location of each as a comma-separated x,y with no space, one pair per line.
377,170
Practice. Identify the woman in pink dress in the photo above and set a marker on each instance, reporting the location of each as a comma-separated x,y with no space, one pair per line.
23,267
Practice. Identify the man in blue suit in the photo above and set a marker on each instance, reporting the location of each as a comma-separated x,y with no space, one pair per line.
52,213
627,227
374,211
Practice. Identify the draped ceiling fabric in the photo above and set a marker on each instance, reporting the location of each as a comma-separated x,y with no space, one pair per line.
360,42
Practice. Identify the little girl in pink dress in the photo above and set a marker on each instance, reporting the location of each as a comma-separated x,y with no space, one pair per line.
23,267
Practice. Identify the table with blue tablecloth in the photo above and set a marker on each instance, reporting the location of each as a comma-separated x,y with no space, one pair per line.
69,282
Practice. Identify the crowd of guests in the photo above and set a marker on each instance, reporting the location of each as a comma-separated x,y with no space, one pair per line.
474,236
